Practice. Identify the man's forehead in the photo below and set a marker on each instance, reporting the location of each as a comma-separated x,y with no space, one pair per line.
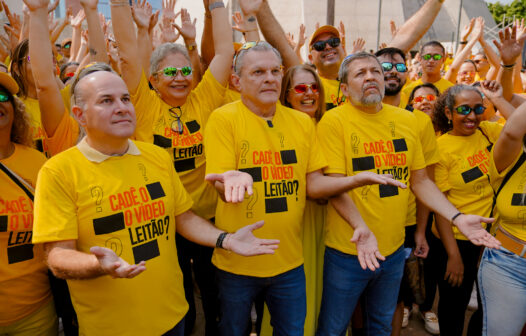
103,83
432,49
390,57
258,58
363,63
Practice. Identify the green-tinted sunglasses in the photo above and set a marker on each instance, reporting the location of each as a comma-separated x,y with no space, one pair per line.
4,96
172,71
436,57
465,109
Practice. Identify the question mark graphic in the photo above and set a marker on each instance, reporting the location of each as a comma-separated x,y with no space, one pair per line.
522,215
479,188
365,191
297,186
96,192
393,128
142,168
244,151
115,245
355,140
252,199
282,140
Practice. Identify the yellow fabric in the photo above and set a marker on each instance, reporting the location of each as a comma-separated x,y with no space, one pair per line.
478,78
442,84
37,129
24,284
231,96
126,203
331,87
509,210
42,322
66,135
384,142
278,158
404,96
462,171
154,125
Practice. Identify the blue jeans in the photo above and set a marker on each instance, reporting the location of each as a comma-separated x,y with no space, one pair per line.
502,281
283,293
178,330
344,281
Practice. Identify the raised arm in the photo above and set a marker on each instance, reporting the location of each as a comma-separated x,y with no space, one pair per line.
509,49
451,74
417,25
76,25
493,91
50,101
207,40
247,23
60,28
97,43
274,34
142,15
510,141
223,44
188,32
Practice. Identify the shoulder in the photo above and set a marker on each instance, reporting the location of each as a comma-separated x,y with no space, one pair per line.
151,150
491,129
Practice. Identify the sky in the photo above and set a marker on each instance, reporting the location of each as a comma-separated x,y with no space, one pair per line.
504,2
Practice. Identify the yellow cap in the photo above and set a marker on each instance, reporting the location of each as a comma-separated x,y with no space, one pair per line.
9,83
321,30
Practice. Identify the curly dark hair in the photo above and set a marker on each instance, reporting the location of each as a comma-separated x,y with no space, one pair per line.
20,129
447,100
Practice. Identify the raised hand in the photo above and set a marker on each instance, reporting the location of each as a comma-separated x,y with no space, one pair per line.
464,34
470,226
521,30
168,11
367,247
290,40
301,37
53,6
240,24
115,266
168,33
243,242
365,178
509,48
142,13
341,29
187,28
478,29
76,21
491,89
236,183
250,6
393,27
358,45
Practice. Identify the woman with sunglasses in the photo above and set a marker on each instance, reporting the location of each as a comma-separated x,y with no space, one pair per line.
461,174
423,98
27,306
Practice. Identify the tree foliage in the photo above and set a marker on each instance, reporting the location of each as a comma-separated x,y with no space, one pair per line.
517,8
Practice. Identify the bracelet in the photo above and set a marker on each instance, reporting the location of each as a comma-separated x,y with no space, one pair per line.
455,217
215,5
509,66
208,15
220,239
463,42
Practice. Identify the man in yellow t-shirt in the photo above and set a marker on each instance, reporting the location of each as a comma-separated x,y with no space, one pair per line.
108,210
277,147
365,135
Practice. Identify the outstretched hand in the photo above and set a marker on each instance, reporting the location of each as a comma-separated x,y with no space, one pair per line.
508,46
243,242
115,266
470,226
367,247
187,28
366,178
235,183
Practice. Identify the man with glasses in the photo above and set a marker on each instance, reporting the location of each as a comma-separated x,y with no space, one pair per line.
366,135
432,55
395,76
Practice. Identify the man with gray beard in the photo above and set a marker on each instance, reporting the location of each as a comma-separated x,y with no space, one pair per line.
366,135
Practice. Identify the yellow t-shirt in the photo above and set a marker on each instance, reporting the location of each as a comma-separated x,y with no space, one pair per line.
384,142
66,135
442,84
157,124
231,96
333,94
127,203
404,96
510,212
426,133
278,154
24,284
462,171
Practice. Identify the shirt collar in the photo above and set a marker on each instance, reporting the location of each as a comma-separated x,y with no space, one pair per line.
95,156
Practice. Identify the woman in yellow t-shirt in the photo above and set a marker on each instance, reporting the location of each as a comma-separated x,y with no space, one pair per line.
461,175
502,272
26,302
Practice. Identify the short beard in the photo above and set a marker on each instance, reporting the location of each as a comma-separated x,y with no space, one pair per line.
393,91
371,100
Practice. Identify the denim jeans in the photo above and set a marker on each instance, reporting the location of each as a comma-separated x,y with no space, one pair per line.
344,281
502,280
178,330
283,293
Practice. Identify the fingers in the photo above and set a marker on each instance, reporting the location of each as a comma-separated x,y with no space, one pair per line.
100,251
361,260
240,194
255,226
487,220
214,177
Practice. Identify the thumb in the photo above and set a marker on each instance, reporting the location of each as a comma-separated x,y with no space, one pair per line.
99,251
255,226
176,27
487,219
214,177
356,236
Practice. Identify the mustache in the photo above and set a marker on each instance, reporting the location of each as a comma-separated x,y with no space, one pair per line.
371,85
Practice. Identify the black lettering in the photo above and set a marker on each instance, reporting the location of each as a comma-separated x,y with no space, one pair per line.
132,241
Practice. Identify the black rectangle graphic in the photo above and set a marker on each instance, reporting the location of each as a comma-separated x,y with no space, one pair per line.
3,223
288,156
108,224
363,163
19,253
193,126
276,205
255,172
387,190
155,190
146,251
400,145
472,174
518,199
161,141
184,165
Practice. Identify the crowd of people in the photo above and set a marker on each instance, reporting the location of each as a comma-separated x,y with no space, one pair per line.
327,195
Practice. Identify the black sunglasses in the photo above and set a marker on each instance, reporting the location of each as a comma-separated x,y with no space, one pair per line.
320,45
388,66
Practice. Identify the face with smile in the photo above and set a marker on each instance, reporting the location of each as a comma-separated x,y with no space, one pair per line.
172,88
365,82
107,113
466,73
424,104
465,125
304,101
394,80
330,57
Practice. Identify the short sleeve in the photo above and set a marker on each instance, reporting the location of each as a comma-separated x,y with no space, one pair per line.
316,158
66,135
219,145
55,208
418,156
147,109
442,174
428,140
330,138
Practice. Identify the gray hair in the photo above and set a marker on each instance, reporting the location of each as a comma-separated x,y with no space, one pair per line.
260,46
344,67
76,96
164,50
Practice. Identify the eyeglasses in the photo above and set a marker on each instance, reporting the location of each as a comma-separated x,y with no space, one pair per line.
70,74
177,125
4,96
302,88
173,71
436,57
429,98
388,66
465,109
320,45
245,46
67,46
